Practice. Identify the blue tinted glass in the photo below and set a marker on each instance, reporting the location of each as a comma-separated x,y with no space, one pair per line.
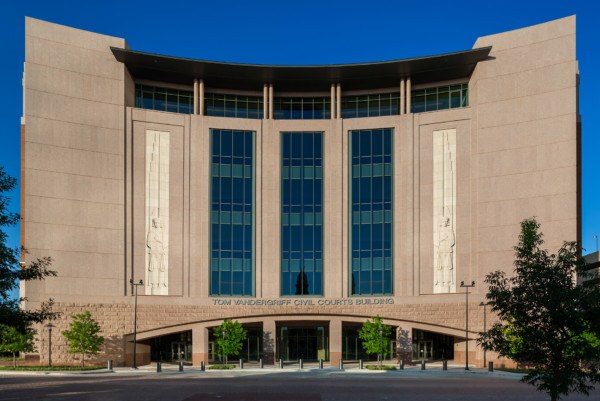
371,205
301,230
238,143
231,214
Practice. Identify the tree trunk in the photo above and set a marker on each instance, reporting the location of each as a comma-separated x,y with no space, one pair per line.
82,360
14,360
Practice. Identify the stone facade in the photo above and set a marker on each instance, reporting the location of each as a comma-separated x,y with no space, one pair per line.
88,198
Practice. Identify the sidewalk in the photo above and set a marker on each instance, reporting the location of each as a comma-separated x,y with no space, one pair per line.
433,369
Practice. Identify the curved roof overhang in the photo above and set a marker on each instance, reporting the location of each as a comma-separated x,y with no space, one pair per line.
384,74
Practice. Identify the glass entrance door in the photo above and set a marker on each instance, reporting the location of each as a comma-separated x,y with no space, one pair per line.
306,343
425,349
178,351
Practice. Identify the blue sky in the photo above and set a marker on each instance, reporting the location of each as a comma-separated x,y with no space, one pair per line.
305,32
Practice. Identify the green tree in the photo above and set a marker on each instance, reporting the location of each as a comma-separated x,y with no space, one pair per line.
13,341
11,272
230,336
83,338
546,321
376,337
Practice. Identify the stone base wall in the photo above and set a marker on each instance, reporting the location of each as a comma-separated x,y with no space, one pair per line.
116,321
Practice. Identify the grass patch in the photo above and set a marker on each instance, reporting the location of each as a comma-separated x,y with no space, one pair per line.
513,370
50,368
222,367
377,367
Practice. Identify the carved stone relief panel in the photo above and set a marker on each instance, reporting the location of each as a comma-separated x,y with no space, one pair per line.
157,213
444,211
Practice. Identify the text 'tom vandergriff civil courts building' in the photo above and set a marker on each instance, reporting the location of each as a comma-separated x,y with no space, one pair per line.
298,200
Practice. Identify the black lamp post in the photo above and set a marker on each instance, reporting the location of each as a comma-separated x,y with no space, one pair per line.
467,286
49,326
484,329
381,345
135,285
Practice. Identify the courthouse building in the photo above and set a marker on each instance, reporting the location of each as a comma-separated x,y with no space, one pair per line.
298,200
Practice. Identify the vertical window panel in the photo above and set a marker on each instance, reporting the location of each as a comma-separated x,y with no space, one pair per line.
370,201
232,210
301,227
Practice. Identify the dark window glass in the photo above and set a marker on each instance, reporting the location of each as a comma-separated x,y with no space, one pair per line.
163,99
371,208
232,213
301,213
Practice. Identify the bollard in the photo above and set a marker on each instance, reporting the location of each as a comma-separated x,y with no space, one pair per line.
360,363
280,363
241,363
261,364
202,366
301,363
422,365
444,365
109,364
401,364
181,366
490,366
320,363
341,364
158,367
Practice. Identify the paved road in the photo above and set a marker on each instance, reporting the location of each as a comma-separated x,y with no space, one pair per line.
254,386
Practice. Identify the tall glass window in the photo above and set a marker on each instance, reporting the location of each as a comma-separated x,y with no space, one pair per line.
302,213
371,212
302,108
440,98
163,99
232,213
381,104
222,105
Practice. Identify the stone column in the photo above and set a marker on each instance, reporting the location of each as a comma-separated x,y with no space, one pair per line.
195,97
338,101
269,341
201,98
402,97
408,95
332,101
265,102
199,345
335,341
270,101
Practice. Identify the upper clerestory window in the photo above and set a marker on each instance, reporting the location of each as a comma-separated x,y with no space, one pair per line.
163,99
440,98
376,105
302,108
237,106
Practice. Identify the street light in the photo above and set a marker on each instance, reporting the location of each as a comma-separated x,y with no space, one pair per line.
135,285
381,345
484,328
49,326
467,286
